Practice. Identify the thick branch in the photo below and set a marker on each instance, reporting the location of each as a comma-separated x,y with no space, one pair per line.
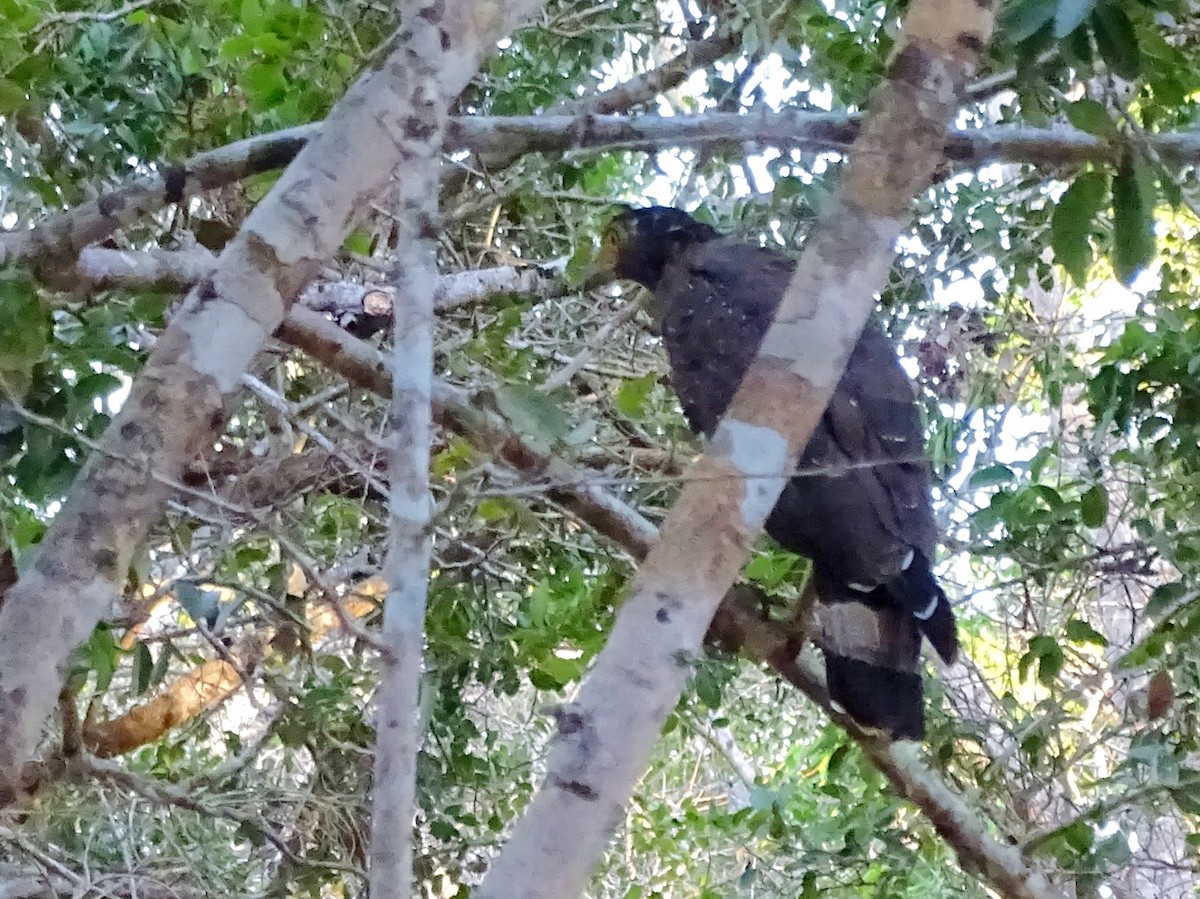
176,405
810,131
61,236
99,268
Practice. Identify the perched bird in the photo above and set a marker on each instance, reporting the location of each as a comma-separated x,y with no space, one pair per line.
859,505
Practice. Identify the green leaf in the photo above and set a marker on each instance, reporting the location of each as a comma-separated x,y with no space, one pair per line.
558,672
1079,836
1133,220
92,387
1079,631
808,888
457,454
1166,598
1112,850
24,323
1187,799
358,241
540,600
252,16
1117,40
159,672
1092,117
266,85
787,187
633,393
531,412
1045,651
992,475
708,690
1070,15
99,656
1093,506
12,97
143,669
495,508
1071,225
770,569
1148,650
1021,20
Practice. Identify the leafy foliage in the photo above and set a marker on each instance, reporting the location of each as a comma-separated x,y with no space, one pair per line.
1063,419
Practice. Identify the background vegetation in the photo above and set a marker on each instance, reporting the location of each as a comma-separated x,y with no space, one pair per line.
1047,313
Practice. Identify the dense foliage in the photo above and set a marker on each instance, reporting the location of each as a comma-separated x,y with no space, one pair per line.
1047,314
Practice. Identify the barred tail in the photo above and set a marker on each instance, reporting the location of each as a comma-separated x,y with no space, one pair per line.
872,658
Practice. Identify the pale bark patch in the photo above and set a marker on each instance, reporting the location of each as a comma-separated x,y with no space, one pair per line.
224,339
755,451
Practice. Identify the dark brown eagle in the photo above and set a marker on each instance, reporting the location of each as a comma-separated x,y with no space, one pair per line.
859,505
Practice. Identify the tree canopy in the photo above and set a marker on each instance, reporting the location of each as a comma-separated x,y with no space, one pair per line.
216,731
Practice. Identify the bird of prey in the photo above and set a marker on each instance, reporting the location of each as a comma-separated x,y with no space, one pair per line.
859,505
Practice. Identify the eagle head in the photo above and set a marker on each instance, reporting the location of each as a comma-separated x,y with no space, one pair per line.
637,244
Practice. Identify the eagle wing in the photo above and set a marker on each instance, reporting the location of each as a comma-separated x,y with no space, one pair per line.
859,504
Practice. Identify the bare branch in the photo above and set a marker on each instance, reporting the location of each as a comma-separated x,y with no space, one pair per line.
61,236
55,241
409,545
100,268
621,98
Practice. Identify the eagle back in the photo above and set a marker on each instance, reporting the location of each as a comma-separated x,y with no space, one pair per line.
862,500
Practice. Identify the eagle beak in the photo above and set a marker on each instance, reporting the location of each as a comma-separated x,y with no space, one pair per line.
603,269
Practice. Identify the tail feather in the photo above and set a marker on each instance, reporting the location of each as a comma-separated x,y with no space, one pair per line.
918,593
877,697
872,657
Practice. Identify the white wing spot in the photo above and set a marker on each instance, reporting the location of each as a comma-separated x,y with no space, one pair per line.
908,560
927,613
860,588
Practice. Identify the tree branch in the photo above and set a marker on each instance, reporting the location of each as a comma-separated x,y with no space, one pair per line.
100,268
409,544
621,98
54,242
